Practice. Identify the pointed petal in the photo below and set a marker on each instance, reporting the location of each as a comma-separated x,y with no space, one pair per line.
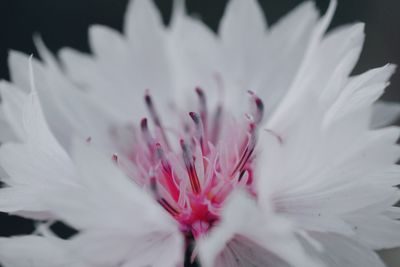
107,44
122,69
142,20
68,109
19,68
243,22
360,92
115,248
12,107
7,133
243,43
36,166
299,91
138,224
35,251
246,231
339,250
380,232
287,42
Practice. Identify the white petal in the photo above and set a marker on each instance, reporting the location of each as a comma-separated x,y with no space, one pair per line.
318,176
121,70
243,31
296,94
35,251
245,231
36,166
360,92
241,251
193,49
6,133
68,109
380,232
12,104
336,57
143,20
137,221
116,248
19,68
107,44
287,42
341,251
242,24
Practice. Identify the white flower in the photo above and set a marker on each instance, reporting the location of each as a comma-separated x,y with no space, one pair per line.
149,148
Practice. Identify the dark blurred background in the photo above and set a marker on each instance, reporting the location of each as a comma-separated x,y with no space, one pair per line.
65,23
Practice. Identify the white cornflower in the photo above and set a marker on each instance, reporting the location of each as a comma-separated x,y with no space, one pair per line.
173,146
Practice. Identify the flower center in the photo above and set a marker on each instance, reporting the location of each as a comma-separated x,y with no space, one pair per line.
192,179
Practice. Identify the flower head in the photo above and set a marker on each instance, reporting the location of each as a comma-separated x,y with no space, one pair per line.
253,147
192,181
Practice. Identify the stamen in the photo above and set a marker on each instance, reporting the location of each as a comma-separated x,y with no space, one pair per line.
243,159
162,201
203,106
200,132
242,173
168,207
216,125
258,108
188,159
167,171
153,186
215,157
247,150
154,116
146,134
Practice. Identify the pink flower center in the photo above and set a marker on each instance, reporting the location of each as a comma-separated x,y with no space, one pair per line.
192,179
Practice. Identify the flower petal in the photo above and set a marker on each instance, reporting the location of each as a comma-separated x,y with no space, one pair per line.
286,43
360,92
340,250
35,251
245,232
36,166
242,25
122,69
137,222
